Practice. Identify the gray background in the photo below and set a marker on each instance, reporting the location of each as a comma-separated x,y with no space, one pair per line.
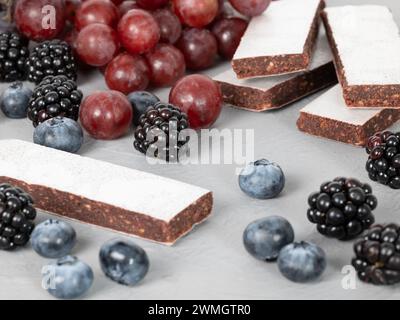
211,262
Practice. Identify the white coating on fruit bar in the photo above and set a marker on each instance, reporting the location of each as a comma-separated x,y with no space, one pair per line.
368,42
155,196
321,56
281,30
331,105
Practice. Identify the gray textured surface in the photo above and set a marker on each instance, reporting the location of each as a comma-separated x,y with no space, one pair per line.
211,263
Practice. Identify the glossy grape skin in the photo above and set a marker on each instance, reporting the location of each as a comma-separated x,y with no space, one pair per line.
228,32
196,13
96,11
250,8
167,65
97,44
127,5
170,26
127,73
200,98
28,17
151,4
199,48
106,114
138,31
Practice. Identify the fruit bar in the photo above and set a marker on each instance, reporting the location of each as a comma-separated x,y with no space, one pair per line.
260,94
279,41
329,117
366,45
104,194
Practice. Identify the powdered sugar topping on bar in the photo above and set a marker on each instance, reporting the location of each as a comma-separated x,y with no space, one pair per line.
282,29
368,43
321,56
331,105
133,190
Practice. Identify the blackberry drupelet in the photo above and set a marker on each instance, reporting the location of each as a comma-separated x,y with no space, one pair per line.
16,217
377,259
158,130
342,209
51,58
383,163
13,55
54,96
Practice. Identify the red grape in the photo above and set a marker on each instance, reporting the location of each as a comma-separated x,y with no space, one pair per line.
97,44
196,13
200,98
199,48
228,32
28,17
138,31
151,4
250,8
106,114
167,65
127,5
117,2
96,11
127,73
170,26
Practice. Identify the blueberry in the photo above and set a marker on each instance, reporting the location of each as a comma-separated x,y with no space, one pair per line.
53,239
69,278
14,101
264,238
262,179
123,262
141,101
301,261
59,133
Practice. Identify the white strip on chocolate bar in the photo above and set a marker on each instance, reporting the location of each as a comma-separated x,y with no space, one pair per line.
368,42
281,30
132,190
331,106
322,56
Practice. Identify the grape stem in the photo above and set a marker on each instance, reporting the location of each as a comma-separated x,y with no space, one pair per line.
7,5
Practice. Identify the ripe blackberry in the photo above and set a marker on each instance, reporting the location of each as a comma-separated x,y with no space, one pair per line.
16,217
342,209
51,58
13,55
158,130
383,163
377,259
54,96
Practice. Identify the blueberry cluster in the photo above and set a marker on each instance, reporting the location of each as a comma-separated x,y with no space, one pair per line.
54,96
377,259
342,209
158,130
51,58
383,163
13,55
16,217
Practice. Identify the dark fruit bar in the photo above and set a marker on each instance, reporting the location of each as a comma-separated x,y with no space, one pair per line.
103,194
261,94
365,42
279,41
329,117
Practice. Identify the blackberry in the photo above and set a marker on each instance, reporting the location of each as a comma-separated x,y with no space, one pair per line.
342,209
54,96
16,217
13,55
383,163
377,259
158,130
51,58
